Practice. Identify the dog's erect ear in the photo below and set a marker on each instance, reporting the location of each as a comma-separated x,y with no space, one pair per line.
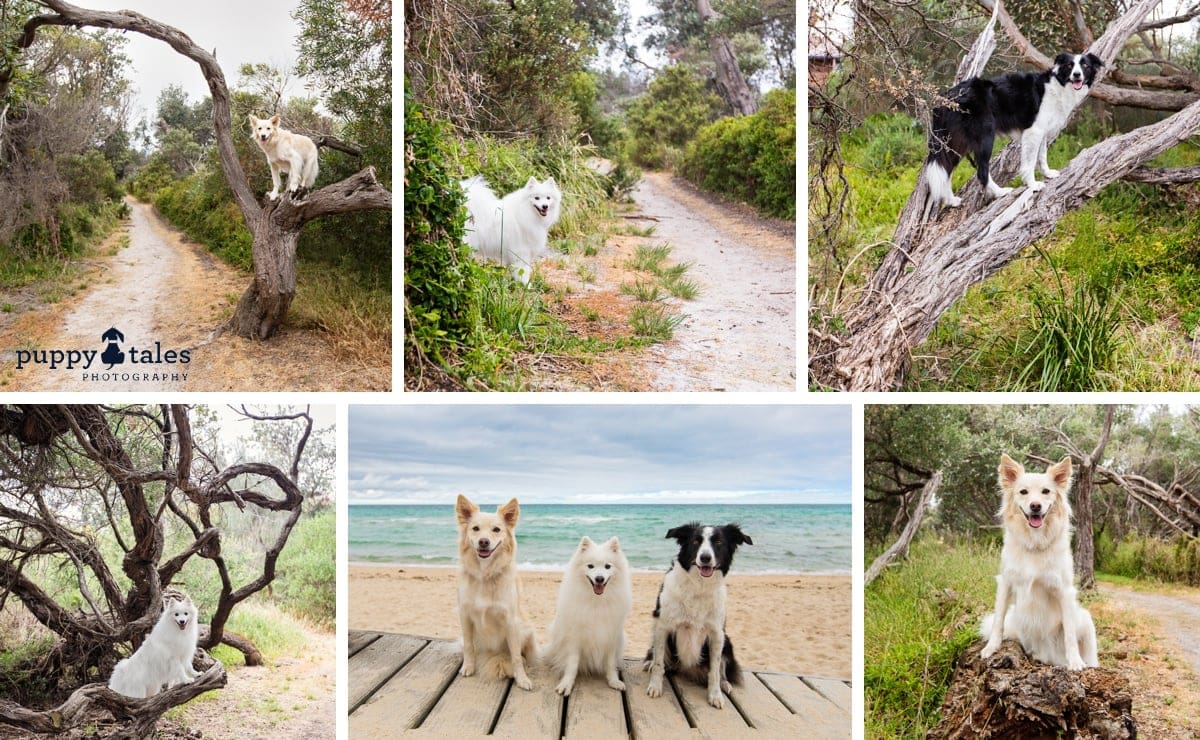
613,544
275,120
253,120
737,536
510,511
1009,470
531,182
465,509
586,543
1060,473
550,181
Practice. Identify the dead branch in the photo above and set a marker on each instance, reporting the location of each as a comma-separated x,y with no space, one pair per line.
899,548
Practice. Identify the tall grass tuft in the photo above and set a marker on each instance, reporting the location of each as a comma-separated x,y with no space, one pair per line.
1073,338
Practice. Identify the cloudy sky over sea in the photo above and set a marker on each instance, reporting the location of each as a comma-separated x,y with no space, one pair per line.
610,454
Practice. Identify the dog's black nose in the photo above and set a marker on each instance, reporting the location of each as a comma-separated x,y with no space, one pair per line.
1035,507
706,558
484,543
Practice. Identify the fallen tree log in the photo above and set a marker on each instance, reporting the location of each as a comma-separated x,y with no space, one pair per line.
138,716
1011,696
899,548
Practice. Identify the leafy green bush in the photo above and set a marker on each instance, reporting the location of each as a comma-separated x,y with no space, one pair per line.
439,274
1142,557
306,570
750,158
202,209
667,116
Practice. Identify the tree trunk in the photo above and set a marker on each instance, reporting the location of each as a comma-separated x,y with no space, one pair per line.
275,228
934,262
899,548
1085,547
730,81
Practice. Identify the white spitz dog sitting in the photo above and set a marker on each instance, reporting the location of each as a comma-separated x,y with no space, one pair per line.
588,633
511,230
165,657
295,154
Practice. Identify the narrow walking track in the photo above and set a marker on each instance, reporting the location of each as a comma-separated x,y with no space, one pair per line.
739,332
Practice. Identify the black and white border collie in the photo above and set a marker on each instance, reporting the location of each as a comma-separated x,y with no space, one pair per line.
1026,106
689,615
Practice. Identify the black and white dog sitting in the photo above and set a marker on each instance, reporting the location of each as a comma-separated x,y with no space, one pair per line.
689,615
1026,106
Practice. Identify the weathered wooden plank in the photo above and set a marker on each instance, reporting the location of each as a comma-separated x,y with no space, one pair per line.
832,689
820,717
532,714
468,706
372,666
764,711
594,710
651,718
410,694
359,640
711,721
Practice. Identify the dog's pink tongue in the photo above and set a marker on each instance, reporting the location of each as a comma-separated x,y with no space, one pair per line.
706,570
1078,84
182,626
597,588
1035,520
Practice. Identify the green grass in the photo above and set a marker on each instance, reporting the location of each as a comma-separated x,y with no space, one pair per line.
644,292
1127,263
920,616
653,321
271,631
648,258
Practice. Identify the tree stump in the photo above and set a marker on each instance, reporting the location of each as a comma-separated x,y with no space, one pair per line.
1011,696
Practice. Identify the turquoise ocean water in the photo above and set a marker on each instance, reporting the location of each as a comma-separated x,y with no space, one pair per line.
796,538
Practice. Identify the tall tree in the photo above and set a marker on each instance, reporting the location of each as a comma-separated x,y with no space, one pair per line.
731,83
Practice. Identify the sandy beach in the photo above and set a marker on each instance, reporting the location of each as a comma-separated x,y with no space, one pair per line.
789,623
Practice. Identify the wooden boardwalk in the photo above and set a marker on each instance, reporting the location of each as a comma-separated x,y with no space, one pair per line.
401,684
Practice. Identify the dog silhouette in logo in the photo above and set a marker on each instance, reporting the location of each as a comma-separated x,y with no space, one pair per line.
112,353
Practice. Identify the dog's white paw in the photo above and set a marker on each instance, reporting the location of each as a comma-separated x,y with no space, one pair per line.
1050,174
618,685
273,195
989,649
716,699
954,202
726,687
524,682
1036,186
468,669
564,688
1075,664
654,688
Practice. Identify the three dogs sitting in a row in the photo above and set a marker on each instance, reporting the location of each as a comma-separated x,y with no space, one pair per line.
594,601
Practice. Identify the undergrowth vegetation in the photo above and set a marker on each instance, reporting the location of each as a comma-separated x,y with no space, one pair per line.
468,325
1107,302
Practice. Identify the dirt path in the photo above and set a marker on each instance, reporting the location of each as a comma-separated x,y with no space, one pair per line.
1178,615
739,333
166,295
292,697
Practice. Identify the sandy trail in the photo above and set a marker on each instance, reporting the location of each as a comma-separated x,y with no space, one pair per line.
164,293
739,333
1179,617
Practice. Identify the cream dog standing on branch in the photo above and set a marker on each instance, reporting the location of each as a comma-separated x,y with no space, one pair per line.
295,154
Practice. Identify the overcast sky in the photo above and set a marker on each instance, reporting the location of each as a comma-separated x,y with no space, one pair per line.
600,454
240,30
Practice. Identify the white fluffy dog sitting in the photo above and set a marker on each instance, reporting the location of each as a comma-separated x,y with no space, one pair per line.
165,657
594,600
1035,591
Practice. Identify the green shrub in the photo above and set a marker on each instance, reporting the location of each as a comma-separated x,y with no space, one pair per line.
750,158
1143,557
667,116
439,274
306,572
